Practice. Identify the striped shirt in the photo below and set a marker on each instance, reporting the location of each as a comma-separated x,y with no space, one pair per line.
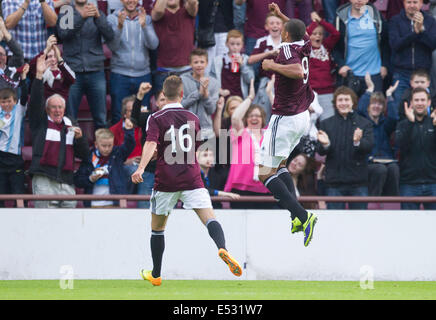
31,30
12,129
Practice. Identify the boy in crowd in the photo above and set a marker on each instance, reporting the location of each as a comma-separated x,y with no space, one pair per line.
266,48
211,179
103,172
200,93
12,113
231,69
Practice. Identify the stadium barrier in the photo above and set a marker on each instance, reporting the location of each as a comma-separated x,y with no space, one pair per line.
115,244
123,199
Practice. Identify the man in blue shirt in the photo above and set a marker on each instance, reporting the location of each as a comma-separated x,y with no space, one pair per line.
361,48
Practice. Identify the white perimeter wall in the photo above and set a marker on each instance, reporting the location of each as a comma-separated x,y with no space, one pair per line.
115,244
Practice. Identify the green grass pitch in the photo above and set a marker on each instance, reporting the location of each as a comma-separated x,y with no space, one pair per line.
214,290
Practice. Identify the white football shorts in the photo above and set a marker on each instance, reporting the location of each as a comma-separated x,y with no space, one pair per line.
282,136
163,202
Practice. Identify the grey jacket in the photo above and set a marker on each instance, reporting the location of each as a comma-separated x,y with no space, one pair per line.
83,44
194,102
247,73
130,56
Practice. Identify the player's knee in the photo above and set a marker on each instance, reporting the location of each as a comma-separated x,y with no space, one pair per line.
265,173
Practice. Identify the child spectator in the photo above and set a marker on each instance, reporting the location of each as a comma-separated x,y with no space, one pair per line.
58,77
102,173
266,47
231,69
321,62
213,180
12,113
200,93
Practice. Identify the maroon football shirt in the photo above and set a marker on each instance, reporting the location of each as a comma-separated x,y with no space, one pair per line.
264,44
293,96
176,38
175,129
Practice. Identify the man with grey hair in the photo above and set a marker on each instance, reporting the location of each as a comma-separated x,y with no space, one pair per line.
55,144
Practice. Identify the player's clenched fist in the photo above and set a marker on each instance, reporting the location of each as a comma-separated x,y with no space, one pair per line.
267,64
137,176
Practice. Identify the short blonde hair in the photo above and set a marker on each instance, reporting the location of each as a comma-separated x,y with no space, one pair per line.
103,133
228,102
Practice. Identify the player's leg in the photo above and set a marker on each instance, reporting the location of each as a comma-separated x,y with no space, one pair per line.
216,232
161,205
279,141
199,201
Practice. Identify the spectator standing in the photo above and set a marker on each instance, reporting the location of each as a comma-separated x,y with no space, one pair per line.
55,144
416,138
363,46
383,170
346,139
83,51
175,27
215,19
130,62
27,21
9,77
321,64
103,173
412,36
304,9
231,70
12,113
200,93
58,77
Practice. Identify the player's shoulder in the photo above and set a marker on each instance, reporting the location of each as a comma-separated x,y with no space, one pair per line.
170,110
287,51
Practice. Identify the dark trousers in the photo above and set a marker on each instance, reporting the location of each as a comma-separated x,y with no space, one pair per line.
11,183
344,191
384,179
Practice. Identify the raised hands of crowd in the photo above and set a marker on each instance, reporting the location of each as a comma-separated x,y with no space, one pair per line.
89,11
409,112
25,71
204,87
41,66
51,42
392,88
121,18
142,14
144,88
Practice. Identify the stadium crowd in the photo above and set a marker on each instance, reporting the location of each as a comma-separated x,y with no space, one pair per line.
79,78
